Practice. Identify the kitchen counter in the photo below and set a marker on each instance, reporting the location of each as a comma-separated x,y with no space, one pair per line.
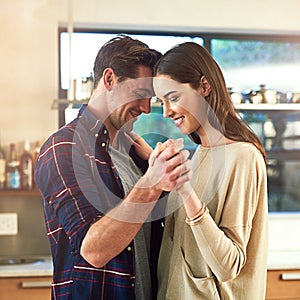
277,260
283,260
284,241
42,267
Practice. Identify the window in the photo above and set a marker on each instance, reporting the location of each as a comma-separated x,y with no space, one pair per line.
85,46
249,63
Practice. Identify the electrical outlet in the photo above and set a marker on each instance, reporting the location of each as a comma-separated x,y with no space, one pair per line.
8,223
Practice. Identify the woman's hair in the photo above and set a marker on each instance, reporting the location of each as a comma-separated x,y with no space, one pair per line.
188,63
124,55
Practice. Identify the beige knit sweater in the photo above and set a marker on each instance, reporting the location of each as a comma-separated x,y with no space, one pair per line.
225,256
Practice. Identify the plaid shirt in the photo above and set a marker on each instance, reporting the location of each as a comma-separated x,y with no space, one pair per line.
79,183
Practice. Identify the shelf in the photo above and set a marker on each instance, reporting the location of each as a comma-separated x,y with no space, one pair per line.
245,106
64,103
269,107
20,193
285,155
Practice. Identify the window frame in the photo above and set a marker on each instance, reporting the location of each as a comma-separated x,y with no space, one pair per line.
206,36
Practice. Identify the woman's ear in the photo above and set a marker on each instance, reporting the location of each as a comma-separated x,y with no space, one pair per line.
204,86
109,78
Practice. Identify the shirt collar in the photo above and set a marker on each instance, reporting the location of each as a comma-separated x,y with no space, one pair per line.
94,125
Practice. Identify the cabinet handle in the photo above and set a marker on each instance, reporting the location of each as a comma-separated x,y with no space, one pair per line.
35,284
290,276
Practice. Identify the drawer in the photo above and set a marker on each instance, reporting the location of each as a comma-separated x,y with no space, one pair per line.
25,288
283,284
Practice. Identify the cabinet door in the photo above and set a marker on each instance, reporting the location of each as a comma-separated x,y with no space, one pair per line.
27,288
283,284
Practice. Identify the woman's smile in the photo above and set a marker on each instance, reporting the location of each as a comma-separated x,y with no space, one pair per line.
178,121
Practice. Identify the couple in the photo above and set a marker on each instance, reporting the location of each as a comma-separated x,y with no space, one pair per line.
105,191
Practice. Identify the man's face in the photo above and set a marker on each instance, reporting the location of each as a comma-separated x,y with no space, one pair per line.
129,99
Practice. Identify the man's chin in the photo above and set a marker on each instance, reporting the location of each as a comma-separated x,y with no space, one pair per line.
127,127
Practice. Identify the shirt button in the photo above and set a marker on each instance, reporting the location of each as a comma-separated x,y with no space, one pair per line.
103,144
96,135
132,284
129,248
105,131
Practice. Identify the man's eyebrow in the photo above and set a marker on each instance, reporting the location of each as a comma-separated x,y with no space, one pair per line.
145,90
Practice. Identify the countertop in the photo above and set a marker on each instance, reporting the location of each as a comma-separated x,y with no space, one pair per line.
283,260
277,260
284,241
43,267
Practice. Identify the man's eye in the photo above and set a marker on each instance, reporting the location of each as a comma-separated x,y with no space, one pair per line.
142,95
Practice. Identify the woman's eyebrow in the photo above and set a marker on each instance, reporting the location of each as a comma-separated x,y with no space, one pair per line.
169,93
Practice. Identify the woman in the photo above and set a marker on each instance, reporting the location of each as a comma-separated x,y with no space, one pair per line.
215,244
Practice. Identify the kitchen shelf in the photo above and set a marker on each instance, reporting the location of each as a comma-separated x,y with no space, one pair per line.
284,155
20,193
64,103
268,107
244,106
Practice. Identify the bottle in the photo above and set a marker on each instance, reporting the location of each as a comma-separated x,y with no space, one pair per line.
2,168
26,168
90,86
36,153
12,171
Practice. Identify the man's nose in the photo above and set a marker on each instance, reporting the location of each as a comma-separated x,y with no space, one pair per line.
145,105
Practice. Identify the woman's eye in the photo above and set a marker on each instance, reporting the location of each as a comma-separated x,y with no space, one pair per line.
174,99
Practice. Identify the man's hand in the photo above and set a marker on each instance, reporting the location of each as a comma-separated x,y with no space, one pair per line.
168,167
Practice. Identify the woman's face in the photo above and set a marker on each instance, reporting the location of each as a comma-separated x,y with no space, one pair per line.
181,103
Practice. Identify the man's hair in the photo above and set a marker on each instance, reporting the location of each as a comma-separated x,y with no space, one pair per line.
124,55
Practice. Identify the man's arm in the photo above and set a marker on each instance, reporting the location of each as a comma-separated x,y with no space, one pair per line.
110,235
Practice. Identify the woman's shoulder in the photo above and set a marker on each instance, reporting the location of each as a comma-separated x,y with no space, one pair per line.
244,151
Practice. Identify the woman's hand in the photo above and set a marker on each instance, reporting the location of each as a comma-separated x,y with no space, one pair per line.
169,167
142,148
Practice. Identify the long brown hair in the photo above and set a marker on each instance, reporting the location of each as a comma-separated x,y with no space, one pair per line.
187,63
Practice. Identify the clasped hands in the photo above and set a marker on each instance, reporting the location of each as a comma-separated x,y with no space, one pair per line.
169,166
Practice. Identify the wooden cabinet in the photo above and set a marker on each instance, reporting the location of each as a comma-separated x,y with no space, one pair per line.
25,288
283,284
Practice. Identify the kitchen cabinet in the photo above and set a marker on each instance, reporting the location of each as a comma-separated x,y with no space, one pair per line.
30,238
283,284
25,288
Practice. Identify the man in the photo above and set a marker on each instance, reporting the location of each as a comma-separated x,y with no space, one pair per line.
98,191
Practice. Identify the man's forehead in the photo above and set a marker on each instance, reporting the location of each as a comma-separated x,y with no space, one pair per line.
140,82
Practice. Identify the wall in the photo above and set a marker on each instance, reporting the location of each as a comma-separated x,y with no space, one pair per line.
29,48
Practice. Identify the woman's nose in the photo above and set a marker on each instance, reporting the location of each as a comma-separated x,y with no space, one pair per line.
167,110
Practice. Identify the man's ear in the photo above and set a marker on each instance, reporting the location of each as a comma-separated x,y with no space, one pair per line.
204,86
109,78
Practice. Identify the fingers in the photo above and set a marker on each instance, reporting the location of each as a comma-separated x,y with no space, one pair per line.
177,160
156,152
167,149
180,170
169,167
182,183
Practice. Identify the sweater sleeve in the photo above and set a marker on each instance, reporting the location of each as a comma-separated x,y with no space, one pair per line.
224,244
